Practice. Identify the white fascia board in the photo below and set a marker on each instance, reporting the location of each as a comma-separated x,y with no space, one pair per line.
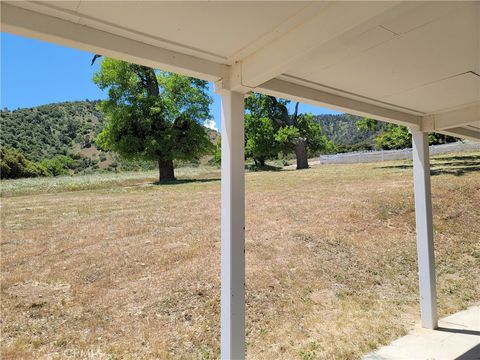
333,20
461,132
469,115
32,24
296,92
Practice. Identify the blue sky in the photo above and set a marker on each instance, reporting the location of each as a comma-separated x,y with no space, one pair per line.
35,73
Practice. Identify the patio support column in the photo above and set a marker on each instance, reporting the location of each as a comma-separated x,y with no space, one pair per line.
232,301
423,214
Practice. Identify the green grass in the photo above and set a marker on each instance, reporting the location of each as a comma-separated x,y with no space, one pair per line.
31,186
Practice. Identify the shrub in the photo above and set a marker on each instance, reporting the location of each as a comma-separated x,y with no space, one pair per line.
58,165
14,165
217,156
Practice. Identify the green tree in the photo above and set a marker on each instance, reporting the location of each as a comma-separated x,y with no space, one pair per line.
395,136
263,119
260,141
304,136
14,165
153,115
269,129
58,165
217,155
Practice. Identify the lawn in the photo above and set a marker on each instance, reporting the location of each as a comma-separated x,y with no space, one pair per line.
117,267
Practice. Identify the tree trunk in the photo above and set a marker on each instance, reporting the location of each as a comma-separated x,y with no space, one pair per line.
166,171
301,154
261,161
293,119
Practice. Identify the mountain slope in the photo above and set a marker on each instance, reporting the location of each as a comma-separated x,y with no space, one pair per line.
342,130
45,131
67,128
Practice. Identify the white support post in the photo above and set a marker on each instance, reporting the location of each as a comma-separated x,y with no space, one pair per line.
423,214
233,228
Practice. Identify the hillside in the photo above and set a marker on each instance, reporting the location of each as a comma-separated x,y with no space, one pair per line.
46,131
67,128
342,130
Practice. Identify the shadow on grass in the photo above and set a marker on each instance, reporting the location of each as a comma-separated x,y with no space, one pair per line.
253,168
185,181
460,158
457,171
249,168
451,165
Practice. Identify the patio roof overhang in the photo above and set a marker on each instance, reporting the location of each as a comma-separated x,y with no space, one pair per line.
410,63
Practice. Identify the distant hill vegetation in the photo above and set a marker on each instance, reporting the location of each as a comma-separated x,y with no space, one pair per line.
343,131
354,133
46,131
60,138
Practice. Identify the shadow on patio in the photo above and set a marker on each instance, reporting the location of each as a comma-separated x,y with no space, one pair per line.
456,338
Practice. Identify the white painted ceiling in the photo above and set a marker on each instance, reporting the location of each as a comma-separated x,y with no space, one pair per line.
204,28
423,60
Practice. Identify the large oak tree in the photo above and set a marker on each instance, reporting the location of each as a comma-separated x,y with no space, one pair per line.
153,115
270,129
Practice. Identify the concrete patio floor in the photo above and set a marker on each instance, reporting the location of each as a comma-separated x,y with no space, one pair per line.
457,337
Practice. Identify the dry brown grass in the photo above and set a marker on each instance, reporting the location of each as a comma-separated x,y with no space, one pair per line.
132,270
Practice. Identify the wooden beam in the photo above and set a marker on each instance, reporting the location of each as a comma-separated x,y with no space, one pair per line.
469,115
462,132
288,90
29,23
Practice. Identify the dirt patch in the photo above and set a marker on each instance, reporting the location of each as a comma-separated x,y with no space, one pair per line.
33,294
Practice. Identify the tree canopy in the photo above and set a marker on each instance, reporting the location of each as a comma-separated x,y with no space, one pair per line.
14,165
270,129
391,136
153,115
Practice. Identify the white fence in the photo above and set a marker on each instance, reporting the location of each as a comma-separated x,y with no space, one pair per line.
385,155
